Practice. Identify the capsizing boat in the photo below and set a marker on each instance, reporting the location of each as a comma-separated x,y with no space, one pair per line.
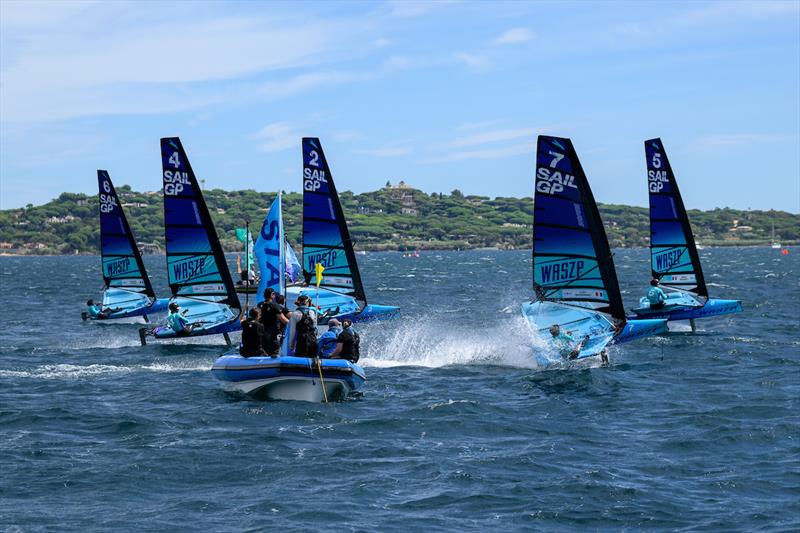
326,240
574,279
127,290
197,271
673,253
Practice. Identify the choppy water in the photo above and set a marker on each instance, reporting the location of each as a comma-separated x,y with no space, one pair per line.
457,430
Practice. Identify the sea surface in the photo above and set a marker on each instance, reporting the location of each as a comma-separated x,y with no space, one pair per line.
457,429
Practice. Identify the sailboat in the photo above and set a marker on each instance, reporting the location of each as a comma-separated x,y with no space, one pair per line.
127,290
326,240
673,254
197,272
284,377
775,244
573,270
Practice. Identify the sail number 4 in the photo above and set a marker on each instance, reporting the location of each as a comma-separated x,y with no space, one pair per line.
174,180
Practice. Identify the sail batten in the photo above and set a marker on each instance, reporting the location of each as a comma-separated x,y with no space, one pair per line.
121,260
572,261
196,265
326,238
673,254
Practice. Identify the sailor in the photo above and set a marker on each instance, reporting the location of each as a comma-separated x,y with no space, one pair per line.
655,295
348,345
95,311
565,343
281,301
252,335
303,328
271,320
177,321
327,342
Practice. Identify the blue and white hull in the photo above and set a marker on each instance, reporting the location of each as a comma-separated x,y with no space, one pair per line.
684,306
333,304
288,377
580,323
209,319
129,304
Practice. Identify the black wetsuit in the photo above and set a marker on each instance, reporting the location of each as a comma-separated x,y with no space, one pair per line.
252,338
269,319
351,345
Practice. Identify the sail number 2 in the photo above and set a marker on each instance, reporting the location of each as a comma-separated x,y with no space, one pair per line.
312,177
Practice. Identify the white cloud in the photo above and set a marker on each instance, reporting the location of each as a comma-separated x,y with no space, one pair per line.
473,61
277,137
737,139
66,68
487,153
415,8
514,36
486,137
394,149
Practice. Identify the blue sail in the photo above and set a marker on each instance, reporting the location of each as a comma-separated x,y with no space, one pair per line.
294,271
122,262
269,252
572,261
197,271
673,254
326,239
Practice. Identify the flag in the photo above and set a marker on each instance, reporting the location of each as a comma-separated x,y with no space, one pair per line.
269,252
319,268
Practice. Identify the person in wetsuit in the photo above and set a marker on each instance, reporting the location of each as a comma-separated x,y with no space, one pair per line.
655,295
177,321
303,329
566,344
96,311
271,319
252,335
328,341
348,343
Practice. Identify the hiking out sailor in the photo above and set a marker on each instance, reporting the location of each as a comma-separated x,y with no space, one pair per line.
271,319
566,344
327,342
348,344
177,320
252,335
303,329
655,295
96,311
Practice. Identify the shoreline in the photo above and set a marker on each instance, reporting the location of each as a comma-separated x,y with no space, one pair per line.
406,250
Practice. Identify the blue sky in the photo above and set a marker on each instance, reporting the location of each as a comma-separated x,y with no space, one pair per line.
442,95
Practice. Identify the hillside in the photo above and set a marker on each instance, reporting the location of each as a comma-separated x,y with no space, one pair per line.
392,218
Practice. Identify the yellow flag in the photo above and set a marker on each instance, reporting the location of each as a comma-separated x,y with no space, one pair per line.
319,268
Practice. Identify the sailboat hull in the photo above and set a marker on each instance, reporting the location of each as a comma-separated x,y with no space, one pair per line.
158,306
212,319
288,378
688,308
340,306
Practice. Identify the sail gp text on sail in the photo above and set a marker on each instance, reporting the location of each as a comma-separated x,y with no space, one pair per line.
313,179
656,180
553,181
174,182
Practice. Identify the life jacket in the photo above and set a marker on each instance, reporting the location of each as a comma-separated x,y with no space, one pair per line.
176,322
305,341
327,342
